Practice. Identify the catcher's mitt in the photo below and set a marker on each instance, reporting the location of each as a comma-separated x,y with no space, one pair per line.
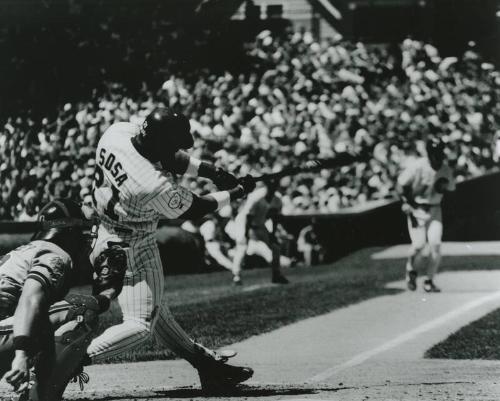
109,268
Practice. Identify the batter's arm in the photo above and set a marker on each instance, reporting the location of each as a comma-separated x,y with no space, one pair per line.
182,164
185,164
203,205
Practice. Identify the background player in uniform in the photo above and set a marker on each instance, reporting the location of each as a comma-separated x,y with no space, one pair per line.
135,184
33,277
421,186
257,238
213,235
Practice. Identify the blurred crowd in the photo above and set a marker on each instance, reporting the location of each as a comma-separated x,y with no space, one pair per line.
299,99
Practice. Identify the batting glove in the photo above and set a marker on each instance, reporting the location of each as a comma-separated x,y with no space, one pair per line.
224,180
247,183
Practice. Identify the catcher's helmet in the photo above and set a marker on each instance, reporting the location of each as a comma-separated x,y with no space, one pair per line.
64,218
165,130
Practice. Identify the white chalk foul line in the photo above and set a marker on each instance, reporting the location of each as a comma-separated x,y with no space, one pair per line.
410,335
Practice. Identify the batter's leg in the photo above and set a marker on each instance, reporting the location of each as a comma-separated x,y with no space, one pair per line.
171,335
139,301
216,376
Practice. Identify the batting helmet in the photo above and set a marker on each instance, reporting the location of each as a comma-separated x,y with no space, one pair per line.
64,218
163,130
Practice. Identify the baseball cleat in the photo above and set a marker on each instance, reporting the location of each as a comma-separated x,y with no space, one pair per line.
206,354
411,280
429,286
237,280
218,377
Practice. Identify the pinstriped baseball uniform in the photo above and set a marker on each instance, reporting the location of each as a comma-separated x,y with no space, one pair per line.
130,194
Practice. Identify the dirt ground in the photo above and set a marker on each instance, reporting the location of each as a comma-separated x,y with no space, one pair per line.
382,380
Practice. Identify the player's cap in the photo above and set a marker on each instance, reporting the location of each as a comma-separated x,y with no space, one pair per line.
167,129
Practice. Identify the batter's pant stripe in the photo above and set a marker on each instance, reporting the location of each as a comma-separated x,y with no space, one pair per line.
133,336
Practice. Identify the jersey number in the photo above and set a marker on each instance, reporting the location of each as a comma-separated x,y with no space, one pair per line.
105,196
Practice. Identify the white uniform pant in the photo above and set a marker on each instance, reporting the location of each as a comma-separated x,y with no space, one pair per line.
141,304
425,227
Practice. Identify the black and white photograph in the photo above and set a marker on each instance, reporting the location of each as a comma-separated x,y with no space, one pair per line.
258,200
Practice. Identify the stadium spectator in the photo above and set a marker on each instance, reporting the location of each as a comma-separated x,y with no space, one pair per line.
299,98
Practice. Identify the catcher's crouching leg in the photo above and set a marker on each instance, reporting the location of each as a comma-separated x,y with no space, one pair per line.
76,320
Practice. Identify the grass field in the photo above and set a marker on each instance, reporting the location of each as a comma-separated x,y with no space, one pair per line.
478,340
216,313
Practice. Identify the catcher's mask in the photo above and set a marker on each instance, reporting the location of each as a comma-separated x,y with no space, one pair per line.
65,218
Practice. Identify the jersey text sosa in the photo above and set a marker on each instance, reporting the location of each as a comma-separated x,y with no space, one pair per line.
108,161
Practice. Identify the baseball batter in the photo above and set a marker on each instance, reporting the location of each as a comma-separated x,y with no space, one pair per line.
421,186
135,184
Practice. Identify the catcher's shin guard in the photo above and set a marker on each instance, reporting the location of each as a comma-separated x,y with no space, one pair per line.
55,368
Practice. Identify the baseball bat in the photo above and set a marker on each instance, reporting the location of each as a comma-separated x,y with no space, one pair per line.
341,159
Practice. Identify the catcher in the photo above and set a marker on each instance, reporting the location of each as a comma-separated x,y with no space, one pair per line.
421,186
53,339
